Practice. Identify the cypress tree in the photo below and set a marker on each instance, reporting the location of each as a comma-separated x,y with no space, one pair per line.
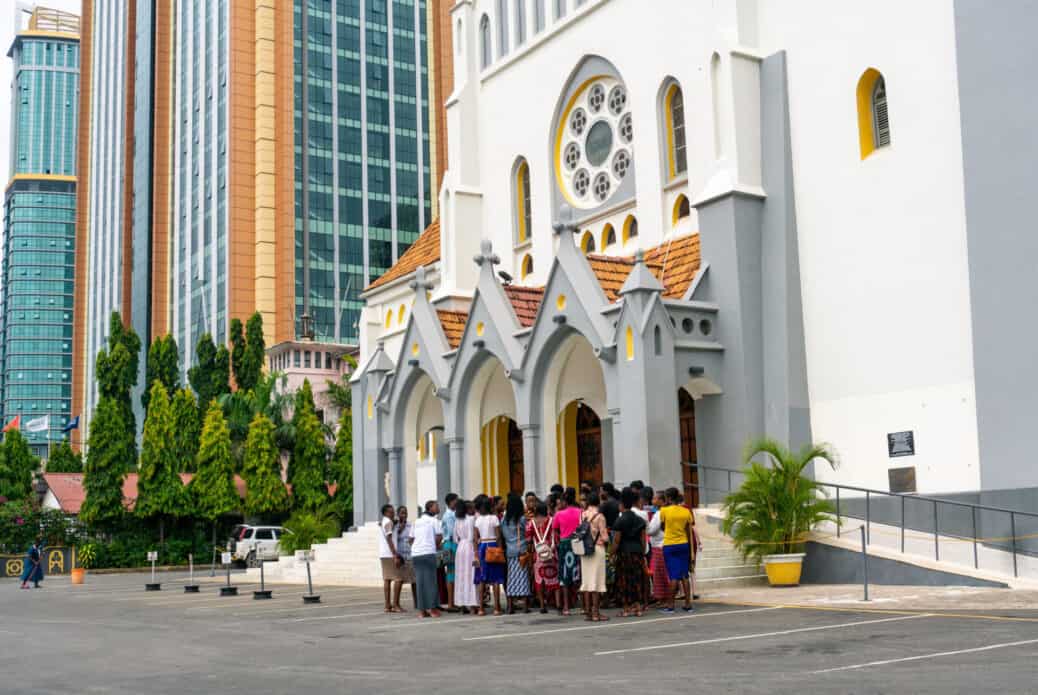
213,488
116,370
342,461
238,362
255,350
17,465
108,451
163,363
64,460
261,469
160,492
210,376
186,430
306,470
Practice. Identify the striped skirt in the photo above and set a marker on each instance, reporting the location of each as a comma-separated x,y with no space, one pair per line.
660,578
517,581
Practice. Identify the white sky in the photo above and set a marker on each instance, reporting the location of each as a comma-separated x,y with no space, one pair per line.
8,13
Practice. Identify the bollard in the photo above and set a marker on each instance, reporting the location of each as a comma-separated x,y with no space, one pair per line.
310,597
865,562
263,592
228,590
191,587
153,585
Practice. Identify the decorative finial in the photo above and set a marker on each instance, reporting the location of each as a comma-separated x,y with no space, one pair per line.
419,282
639,256
486,254
565,219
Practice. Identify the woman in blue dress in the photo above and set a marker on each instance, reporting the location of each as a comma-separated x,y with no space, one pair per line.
33,569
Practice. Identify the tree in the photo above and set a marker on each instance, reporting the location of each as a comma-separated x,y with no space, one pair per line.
163,364
160,492
64,460
116,369
186,430
17,465
238,354
261,469
339,393
255,349
213,488
306,470
341,468
108,451
209,377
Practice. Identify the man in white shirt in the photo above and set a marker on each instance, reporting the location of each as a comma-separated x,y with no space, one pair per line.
390,559
428,534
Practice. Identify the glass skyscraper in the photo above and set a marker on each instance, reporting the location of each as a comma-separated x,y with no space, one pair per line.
39,227
366,178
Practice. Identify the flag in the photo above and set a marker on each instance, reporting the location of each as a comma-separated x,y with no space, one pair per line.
73,424
40,424
15,424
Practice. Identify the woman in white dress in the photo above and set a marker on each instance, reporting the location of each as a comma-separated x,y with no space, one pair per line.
464,584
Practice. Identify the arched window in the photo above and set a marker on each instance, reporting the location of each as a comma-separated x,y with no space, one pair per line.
873,117
681,210
630,230
526,267
523,219
608,236
458,37
587,242
629,341
538,16
502,28
715,98
560,9
674,127
389,318
520,22
657,341
400,314
484,43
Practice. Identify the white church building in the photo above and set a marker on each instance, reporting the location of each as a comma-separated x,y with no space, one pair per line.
670,226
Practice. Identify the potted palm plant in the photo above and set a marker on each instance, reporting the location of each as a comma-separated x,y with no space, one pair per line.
85,557
769,517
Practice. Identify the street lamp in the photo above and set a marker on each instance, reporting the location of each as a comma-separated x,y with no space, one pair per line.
306,327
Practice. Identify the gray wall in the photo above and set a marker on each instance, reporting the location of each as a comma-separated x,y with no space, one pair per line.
997,64
827,564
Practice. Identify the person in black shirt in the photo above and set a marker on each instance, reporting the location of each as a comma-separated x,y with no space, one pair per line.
629,549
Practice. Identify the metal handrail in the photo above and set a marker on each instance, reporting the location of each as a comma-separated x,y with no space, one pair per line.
868,493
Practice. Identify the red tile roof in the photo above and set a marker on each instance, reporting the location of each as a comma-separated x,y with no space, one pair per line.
68,489
674,262
424,251
526,301
453,323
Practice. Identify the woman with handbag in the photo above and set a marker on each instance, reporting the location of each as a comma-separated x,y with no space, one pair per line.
593,560
517,578
464,558
490,555
563,524
545,561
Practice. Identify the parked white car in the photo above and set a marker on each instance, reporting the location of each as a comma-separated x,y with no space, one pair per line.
250,544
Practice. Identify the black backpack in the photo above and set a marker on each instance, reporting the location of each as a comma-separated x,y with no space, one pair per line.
582,542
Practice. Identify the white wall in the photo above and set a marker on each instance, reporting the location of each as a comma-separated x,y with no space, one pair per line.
882,241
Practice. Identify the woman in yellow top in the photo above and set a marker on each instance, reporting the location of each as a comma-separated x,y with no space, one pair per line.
677,523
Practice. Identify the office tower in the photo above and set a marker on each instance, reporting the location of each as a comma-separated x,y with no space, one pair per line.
39,226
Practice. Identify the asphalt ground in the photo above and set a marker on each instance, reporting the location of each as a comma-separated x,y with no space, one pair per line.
110,636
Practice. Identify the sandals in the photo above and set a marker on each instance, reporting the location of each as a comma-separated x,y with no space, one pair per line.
599,618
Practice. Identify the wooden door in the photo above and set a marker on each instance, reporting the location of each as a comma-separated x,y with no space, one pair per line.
687,426
516,473
589,445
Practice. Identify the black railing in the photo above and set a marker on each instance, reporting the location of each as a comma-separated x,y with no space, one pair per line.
978,524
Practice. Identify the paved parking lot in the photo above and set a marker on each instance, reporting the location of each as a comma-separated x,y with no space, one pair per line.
109,636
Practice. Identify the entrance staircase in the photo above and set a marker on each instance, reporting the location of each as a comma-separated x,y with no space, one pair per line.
352,560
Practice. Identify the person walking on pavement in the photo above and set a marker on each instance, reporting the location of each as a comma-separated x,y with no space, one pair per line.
33,570
427,534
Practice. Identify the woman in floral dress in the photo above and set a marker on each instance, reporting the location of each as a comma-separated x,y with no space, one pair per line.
545,569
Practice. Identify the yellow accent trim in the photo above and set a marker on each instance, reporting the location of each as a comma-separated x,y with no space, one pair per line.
371,408
414,349
560,302
571,467
520,201
526,267
605,236
675,212
668,115
562,125
629,342
627,229
587,242
39,34
479,328
389,318
866,136
39,177
400,314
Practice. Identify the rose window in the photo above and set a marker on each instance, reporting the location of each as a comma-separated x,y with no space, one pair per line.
593,145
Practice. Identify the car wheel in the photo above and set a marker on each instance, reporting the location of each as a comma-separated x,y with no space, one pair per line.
251,560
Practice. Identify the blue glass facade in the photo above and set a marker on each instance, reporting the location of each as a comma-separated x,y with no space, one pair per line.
367,142
39,237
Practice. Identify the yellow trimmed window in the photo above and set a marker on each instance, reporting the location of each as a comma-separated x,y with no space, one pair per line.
630,230
523,218
629,340
389,318
674,112
873,117
608,236
587,242
526,267
681,210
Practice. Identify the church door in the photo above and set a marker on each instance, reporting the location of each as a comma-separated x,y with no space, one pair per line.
589,445
687,425
516,474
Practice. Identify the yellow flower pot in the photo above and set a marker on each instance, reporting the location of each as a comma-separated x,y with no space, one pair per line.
784,570
78,575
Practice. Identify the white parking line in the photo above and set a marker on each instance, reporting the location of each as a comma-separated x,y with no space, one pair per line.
935,655
763,634
331,617
618,623
300,607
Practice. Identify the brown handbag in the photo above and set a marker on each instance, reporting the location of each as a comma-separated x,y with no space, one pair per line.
495,555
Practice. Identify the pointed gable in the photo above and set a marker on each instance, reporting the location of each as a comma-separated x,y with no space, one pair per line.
423,252
453,323
526,301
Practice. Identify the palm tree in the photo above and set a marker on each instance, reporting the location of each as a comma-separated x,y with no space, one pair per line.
268,397
777,506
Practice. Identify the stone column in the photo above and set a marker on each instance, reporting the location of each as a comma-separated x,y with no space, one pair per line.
457,465
533,476
396,476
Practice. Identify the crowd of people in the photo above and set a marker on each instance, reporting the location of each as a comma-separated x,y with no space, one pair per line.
630,548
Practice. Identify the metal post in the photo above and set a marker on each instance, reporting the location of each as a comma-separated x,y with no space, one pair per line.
309,579
1012,532
191,587
310,597
865,562
729,480
902,523
976,559
868,529
936,537
838,520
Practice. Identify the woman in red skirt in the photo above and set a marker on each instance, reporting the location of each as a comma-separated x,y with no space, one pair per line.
657,566
545,556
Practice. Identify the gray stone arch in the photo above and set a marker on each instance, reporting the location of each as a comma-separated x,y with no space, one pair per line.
416,408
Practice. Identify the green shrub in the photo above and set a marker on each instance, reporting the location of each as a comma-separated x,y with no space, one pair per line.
307,529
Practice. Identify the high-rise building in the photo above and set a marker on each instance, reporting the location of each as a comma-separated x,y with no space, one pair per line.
39,226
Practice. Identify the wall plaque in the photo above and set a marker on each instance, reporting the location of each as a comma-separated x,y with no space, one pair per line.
900,444
902,479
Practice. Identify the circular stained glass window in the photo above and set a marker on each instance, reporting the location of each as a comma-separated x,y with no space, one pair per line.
593,150
599,143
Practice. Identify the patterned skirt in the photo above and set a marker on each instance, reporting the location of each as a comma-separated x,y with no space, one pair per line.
660,578
488,572
546,572
518,579
449,549
569,564
630,577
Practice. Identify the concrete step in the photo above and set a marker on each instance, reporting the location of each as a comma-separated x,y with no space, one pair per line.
705,586
728,572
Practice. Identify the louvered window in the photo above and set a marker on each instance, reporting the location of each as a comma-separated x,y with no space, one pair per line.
880,117
484,43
